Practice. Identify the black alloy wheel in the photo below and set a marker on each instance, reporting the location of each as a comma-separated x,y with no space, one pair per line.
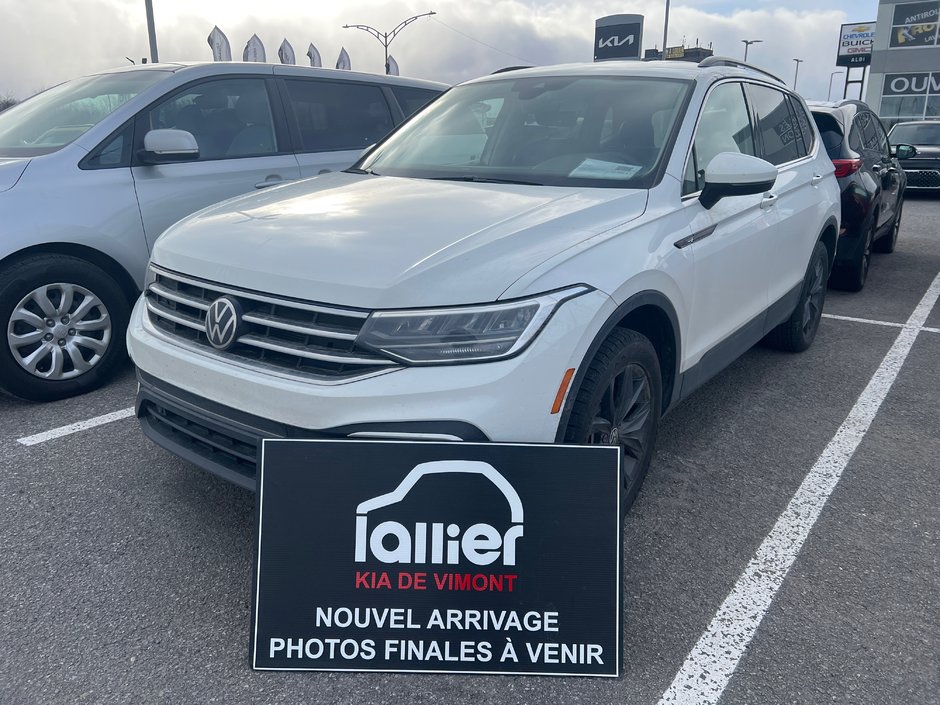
886,243
797,333
619,404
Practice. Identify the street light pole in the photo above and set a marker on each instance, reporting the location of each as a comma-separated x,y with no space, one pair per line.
832,76
747,44
386,37
796,73
151,32
665,29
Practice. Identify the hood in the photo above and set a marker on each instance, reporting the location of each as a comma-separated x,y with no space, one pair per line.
389,242
10,172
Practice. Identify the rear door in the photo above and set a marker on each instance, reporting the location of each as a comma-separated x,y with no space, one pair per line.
787,139
243,146
886,169
332,121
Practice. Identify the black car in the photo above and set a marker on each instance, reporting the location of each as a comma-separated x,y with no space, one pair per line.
923,169
872,184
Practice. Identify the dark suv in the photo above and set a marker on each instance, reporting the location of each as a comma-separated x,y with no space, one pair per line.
872,185
923,169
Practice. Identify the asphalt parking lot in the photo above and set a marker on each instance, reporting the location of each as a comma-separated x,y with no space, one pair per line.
126,573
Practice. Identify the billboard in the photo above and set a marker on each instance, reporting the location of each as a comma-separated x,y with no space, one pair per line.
915,24
438,557
618,37
855,43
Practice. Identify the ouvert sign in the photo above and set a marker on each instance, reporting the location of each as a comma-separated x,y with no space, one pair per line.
438,557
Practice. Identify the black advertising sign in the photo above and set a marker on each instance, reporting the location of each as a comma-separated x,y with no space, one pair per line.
438,557
911,84
915,24
618,37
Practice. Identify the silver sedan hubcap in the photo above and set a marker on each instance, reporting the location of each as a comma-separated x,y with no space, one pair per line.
59,331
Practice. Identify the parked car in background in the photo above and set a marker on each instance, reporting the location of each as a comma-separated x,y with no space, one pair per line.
922,169
557,254
93,170
872,185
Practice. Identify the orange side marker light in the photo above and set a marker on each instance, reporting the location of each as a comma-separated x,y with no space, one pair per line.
562,390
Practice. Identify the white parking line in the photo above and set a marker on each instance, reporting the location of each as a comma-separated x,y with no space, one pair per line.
873,322
76,427
712,661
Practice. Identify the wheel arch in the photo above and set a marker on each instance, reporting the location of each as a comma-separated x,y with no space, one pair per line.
829,237
651,314
109,265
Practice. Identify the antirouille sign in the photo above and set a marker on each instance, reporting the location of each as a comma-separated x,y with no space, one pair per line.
438,557
855,44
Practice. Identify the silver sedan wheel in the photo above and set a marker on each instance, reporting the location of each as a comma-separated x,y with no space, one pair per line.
59,331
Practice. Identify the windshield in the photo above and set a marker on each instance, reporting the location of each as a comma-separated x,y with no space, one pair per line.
560,131
50,120
916,134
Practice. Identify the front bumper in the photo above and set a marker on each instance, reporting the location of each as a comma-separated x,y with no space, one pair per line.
214,414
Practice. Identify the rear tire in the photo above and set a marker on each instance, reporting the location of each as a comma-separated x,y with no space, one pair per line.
886,243
63,322
797,333
619,403
852,277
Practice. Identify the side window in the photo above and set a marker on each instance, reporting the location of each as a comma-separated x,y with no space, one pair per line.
803,125
411,99
334,116
775,124
724,126
881,136
867,131
113,152
855,138
228,118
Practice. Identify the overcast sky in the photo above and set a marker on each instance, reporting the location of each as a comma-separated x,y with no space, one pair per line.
43,42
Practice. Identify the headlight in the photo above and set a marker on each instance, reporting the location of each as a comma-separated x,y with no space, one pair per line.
462,334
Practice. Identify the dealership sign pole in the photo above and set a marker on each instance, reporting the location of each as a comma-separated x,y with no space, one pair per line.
438,557
855,45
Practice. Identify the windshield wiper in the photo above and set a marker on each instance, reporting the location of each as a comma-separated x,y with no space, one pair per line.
485,180
351,170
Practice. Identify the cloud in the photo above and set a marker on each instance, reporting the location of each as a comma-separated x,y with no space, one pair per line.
46,41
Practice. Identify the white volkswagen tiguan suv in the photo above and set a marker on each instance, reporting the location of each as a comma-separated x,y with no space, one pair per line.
557,254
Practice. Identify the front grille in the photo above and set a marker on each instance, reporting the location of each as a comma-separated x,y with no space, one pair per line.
298,338
922,178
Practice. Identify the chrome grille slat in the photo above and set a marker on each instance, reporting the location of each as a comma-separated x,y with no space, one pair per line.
301,351
275,322
297,339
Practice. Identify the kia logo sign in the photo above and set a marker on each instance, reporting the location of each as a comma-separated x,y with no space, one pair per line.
481,544
438,557
618,37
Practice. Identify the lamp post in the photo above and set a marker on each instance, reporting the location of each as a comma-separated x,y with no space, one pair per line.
387,37
832,76
796,74
747,45
665,28
151,31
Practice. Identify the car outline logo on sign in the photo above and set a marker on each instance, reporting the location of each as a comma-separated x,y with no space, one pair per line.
481,544
222,322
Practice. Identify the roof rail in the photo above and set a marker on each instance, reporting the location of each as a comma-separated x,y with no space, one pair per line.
510,68
725,61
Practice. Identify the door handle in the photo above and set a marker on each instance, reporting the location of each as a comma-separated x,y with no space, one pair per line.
816,179
272,180
768,200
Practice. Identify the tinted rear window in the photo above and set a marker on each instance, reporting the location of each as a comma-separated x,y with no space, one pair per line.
831,134
411,99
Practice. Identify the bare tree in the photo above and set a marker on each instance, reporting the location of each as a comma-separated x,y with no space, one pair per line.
7,101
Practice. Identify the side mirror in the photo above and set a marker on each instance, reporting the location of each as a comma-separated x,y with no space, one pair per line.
904,151
734,174
166,146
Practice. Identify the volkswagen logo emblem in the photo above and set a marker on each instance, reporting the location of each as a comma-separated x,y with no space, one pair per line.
223,321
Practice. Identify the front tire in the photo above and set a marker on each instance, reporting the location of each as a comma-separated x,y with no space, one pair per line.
619,403
63,321
797,333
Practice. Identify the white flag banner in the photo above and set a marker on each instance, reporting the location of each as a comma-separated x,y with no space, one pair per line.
254,50
221,49
286,53
314,56
343,61
392,67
